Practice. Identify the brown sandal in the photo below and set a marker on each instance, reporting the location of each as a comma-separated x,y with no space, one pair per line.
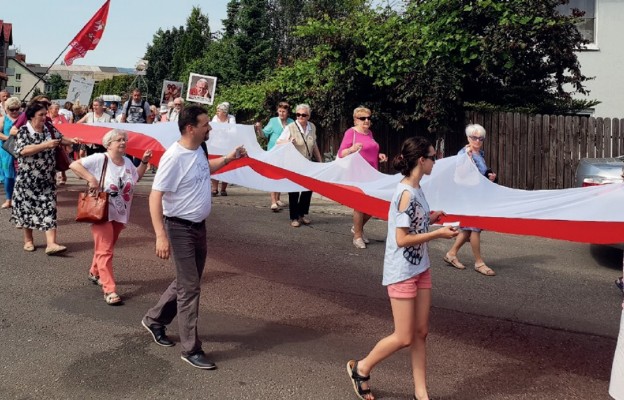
453,262
484,269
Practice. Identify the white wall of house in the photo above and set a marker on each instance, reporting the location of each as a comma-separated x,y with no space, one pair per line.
23,80
604,60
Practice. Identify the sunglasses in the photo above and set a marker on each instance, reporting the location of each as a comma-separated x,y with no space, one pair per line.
477,138
301,115
432,158
363,118
12,109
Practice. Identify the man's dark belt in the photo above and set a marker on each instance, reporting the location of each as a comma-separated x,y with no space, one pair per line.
184,222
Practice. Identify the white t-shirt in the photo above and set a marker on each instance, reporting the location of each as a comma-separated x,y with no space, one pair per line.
119,182
184,177
231,119
69,116
91,117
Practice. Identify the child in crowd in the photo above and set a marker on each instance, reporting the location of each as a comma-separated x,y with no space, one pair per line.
406,269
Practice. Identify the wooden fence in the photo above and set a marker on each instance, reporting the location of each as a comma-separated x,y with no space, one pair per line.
526,151
543,151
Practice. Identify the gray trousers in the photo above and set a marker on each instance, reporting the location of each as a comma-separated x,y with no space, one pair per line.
189,250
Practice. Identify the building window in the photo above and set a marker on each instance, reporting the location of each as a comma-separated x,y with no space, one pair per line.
18,89
18,77
587,24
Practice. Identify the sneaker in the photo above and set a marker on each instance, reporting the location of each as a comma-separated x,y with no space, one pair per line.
158,333
199,360
295,224
305,220
359,243
364,238
619,282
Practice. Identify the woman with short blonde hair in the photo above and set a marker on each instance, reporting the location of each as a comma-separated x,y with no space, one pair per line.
359,139
119,181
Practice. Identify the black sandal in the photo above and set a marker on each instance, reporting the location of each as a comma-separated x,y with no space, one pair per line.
357,380
223,193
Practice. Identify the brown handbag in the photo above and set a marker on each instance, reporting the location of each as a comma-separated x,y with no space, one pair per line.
60,155
93,203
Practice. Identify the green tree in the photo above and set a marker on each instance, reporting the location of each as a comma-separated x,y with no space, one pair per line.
160,55
57,87
120,85
249,31
193,42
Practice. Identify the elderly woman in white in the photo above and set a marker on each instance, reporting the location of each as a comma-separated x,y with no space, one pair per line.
120,179
302,134
224,117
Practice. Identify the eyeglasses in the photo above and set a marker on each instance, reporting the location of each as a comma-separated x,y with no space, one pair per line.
363,118
477,138
12,109
301,115
432,158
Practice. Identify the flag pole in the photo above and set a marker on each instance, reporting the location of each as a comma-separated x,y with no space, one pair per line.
87,39
45,73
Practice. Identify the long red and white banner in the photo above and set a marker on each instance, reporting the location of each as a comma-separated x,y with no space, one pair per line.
589,215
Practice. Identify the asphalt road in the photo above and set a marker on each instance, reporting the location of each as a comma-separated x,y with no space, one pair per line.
283,309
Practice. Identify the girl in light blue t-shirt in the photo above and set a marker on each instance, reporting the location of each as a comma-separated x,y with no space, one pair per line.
406,269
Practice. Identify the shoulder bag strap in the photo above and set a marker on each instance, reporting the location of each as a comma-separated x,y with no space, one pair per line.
304,141
102,177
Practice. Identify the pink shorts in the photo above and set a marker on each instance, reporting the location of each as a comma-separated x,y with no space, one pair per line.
408,289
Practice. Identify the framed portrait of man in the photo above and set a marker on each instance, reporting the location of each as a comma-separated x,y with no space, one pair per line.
201,88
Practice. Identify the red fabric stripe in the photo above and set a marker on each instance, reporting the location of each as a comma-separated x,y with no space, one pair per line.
597,232
349,196
574,231
136,146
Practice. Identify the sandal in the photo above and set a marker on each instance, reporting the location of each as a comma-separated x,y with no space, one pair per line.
94,279
453,262
112,299
280,203
305,220
58,249
274,207
357,380
223,193
215,192
29,246
484,269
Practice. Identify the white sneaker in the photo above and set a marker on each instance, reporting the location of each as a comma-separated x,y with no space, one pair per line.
359,243
364,238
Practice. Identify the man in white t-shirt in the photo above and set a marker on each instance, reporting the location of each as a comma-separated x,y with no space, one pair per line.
179,204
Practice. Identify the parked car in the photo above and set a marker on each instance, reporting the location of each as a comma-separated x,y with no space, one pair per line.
599,171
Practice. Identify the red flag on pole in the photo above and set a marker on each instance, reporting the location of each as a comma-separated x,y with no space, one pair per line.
90,35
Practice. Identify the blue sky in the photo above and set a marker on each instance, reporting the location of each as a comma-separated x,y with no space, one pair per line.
42,28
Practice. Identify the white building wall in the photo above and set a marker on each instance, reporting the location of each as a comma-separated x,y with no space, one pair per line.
605,60
26,82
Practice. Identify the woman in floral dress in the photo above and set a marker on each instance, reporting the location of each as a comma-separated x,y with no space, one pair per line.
34,196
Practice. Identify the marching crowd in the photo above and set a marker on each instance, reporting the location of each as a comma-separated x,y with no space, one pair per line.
180,201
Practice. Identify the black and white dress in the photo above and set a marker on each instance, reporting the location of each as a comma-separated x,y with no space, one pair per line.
34,196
